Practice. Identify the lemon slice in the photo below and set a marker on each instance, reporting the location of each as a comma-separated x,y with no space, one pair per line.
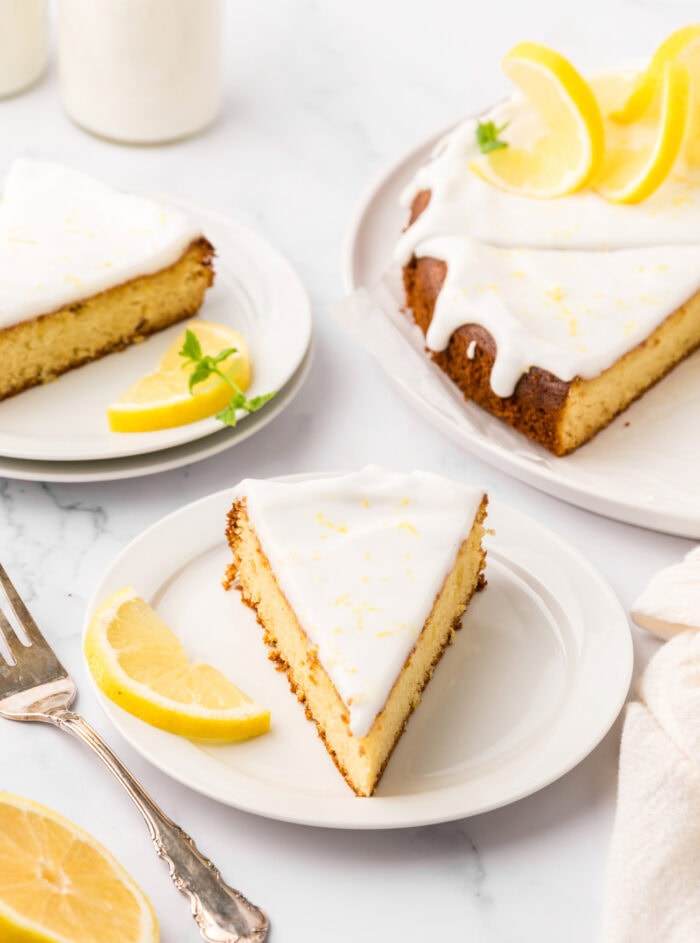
632,173
141,665
569,152
59,885
683,46
163,399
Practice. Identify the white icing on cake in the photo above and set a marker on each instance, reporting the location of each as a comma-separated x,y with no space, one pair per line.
671,602
361,558
569,285
65,237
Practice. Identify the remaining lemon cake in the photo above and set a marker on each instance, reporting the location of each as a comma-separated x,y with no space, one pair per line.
86,270
359,582
555,314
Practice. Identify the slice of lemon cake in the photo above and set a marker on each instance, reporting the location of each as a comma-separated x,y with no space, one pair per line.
86,270
359,582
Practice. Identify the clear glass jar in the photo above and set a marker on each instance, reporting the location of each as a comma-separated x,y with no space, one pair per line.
24,43
140,71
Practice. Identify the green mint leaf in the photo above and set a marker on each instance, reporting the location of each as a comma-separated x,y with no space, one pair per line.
257,402
487,136
224,354
191,348
204,366
228,415
202,371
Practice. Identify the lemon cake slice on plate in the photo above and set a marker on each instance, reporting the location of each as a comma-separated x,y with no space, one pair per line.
359,582
86,270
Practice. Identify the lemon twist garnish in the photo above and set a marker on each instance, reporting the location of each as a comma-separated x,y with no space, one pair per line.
59,885
629,174
678,47
570,152
142,666
682,48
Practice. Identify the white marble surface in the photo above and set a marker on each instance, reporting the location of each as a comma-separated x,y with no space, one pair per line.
319,97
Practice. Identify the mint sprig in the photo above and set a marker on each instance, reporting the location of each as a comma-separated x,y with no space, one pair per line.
487,136
204,366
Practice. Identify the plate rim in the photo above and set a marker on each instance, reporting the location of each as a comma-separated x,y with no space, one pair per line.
395,811
153,463
673,521
209,425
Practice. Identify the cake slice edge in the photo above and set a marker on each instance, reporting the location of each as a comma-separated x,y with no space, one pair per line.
360,760
42,348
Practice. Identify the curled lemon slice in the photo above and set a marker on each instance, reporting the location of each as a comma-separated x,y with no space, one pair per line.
569,151
162,399
142,666
59,885
683,46
637,164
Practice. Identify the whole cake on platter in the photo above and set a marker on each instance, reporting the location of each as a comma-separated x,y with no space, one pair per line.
359,582
86,270
552,253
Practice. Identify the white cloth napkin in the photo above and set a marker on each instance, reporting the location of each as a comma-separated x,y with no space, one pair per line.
653,878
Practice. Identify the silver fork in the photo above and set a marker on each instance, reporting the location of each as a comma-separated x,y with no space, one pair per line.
37,687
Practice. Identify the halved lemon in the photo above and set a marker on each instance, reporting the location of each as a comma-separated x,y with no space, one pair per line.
569,151
142,666
60,885
162,399
638,159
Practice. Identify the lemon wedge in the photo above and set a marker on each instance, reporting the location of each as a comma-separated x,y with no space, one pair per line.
141,665
163,399
639,158
570,150
59,885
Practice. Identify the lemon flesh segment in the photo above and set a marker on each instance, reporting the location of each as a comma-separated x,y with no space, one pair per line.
162,399
570,150
140,664
631,174
59,885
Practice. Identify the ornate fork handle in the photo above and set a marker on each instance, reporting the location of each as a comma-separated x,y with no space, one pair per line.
223,914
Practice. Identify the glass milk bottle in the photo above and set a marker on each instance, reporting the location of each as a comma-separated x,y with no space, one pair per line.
24,43
140,71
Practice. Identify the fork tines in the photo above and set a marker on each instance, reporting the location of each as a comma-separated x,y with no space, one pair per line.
24,645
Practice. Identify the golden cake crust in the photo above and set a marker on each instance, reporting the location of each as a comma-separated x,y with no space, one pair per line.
42,348
233,534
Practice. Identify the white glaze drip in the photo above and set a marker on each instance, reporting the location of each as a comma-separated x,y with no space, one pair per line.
361,558
568,285
671,601
65,236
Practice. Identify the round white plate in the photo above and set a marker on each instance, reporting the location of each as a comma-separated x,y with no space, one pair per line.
535,679
256,291
164,460
642,469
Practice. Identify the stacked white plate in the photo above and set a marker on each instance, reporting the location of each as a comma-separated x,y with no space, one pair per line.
59,432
